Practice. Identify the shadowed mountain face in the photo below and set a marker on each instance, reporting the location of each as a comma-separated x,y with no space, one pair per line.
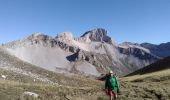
93,53
136,50
157,66
162,50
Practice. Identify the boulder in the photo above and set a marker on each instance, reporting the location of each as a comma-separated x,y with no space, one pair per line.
30,96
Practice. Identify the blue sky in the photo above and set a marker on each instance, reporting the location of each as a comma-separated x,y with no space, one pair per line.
125,20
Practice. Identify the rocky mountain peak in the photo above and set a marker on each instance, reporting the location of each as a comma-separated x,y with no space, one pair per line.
39,36
65,36
130,43
98,35
148,45
161,50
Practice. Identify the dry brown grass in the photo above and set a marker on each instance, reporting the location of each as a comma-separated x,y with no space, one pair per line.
155,75
152,86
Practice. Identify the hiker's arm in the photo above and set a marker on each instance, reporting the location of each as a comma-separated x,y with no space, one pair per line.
118,85
106,86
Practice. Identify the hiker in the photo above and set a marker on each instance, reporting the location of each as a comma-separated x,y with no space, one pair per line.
112,86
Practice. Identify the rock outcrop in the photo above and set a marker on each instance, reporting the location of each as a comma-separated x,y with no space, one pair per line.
65,36
137,51
97,35
30,96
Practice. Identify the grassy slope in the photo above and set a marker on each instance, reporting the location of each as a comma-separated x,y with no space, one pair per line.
69,86
13,90
153,86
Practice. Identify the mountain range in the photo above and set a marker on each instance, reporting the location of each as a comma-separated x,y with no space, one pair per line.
94,53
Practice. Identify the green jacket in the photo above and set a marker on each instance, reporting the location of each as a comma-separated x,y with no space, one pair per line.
112,84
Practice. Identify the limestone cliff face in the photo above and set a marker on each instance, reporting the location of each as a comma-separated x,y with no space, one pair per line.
97,35
136,50
65,36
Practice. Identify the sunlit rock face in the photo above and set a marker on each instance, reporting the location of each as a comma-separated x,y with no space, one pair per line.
97,35
93,53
